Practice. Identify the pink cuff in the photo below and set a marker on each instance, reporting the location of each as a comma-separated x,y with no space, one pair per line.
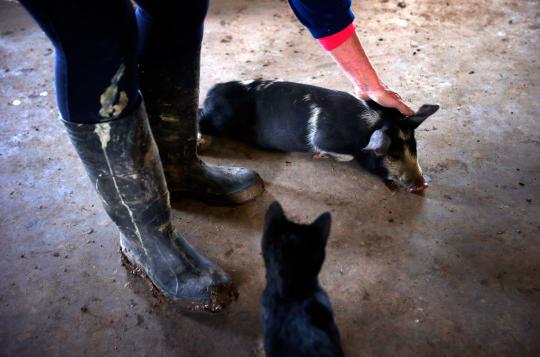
333,41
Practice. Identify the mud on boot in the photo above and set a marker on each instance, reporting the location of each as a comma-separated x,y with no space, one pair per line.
123,163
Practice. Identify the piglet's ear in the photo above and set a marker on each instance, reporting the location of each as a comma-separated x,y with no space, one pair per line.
422,114
274,214
322,226
378,143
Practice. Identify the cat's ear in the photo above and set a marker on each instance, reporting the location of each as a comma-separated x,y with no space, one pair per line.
274,214
322,226
273,223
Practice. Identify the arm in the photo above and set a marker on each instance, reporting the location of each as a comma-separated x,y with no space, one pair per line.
352,59
331,23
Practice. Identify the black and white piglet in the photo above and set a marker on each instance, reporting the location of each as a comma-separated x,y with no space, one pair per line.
294,117
296,313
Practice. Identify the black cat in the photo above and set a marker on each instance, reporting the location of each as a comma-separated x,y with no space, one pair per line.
296,312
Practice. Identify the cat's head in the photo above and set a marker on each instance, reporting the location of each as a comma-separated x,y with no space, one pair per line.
294,252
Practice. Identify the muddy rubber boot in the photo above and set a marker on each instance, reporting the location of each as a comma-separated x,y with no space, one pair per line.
123,163
171,93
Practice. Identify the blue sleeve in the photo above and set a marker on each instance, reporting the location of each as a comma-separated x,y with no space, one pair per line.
323,17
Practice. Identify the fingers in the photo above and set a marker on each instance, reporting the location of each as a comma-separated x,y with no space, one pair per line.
403,108
387,98
399,104
360,94
363,96
393,100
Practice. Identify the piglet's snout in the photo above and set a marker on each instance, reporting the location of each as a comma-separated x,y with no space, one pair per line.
418,186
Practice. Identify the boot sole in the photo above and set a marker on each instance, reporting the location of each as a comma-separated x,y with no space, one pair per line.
218,301
233,199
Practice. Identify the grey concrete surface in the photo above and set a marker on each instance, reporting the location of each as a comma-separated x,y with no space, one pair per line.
453,272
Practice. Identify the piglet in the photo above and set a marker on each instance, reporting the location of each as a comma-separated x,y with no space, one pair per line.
295,117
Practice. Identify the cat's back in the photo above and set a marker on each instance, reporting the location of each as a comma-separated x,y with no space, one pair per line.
300,327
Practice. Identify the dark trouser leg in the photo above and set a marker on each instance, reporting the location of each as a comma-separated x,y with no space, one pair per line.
95,61
107,123
169,57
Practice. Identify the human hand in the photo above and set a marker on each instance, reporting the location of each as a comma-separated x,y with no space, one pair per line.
352,59
385,97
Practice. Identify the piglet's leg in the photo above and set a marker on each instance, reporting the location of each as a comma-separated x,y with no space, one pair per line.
203,142
340,157
320,156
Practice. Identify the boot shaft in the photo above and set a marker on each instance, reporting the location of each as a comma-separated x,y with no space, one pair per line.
171,92
122,161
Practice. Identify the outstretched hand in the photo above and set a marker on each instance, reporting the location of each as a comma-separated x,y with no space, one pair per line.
352,59
385,97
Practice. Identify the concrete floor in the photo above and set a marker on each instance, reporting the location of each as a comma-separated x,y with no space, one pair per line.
455,272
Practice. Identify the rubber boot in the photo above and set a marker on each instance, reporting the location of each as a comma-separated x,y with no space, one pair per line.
123,163
171,92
